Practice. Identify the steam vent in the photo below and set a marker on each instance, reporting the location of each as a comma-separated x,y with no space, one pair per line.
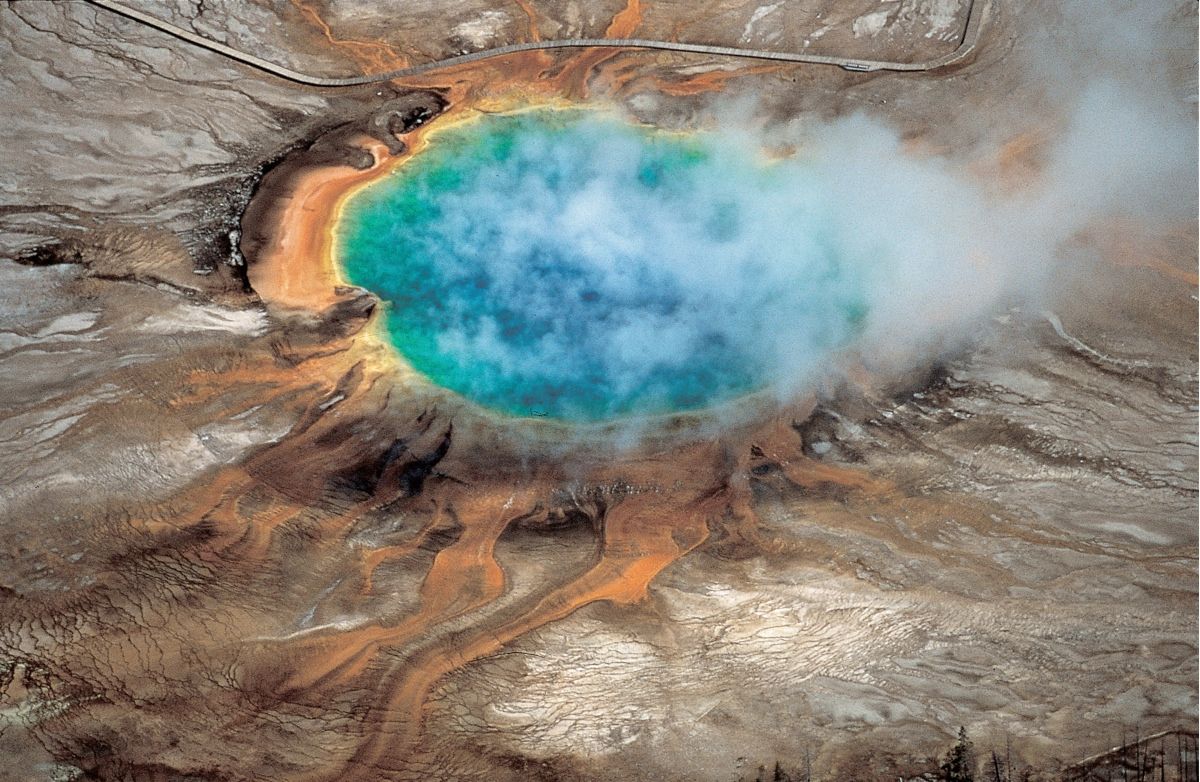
598,391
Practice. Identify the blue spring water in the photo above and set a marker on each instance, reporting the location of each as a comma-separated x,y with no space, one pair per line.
572,265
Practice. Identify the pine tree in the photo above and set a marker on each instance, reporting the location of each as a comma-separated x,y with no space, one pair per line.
998,774
957,765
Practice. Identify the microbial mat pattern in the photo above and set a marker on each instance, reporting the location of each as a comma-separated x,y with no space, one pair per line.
557,413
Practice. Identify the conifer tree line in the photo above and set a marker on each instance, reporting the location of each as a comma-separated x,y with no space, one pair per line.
1171,756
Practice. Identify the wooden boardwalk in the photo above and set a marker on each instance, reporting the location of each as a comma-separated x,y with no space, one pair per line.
967,44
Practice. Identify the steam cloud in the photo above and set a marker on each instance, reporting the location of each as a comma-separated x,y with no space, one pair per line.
1119,145
743,272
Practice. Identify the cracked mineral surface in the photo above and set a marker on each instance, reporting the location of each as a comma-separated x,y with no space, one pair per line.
241,539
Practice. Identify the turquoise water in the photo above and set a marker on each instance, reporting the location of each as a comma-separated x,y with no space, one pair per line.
571,265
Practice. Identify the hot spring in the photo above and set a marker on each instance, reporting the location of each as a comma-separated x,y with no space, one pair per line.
570,264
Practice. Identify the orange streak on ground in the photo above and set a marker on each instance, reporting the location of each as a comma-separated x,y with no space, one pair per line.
1022,149
642,536
573,79
741,533
372,558
778,443
632,79
375,56
297,269
626,21
709,81
495,84
534,33
464,576
1163,268
218,500
198,502
1125,245
809,472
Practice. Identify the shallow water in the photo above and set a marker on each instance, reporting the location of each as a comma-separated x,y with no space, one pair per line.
572,265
